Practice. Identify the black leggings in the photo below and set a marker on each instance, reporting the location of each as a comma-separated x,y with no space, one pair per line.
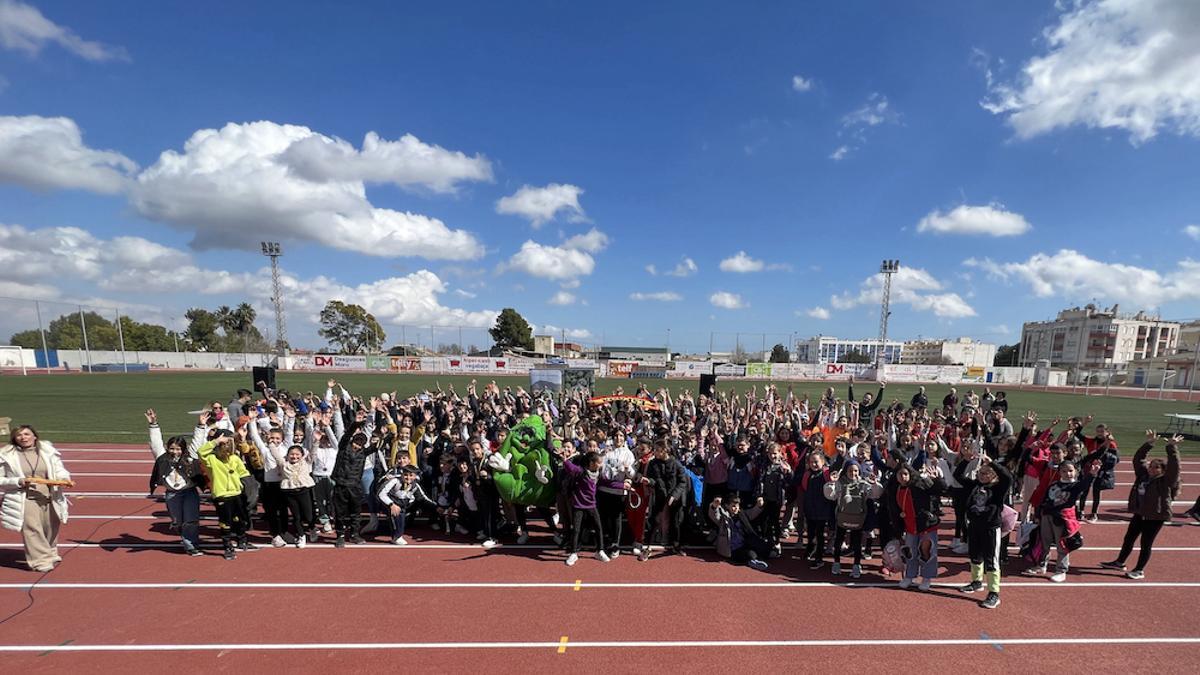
274,507
231,514
1148,530
771,529
856,537
300,504
347,507
958,497
577,516
610,507
1096,490
816,538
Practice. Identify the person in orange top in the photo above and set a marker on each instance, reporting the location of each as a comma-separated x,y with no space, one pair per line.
830,435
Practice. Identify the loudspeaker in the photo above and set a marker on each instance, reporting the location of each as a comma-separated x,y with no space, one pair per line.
708,385
265,375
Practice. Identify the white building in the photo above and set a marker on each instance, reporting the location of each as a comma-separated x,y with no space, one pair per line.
543,344
1089,337
821,349
961,351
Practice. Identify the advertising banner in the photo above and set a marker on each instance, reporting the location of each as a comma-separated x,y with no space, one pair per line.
758,370
729,370
405,363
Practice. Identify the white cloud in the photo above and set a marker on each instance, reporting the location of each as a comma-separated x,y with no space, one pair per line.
992,219
911,286
686,268
1192,231
1074,276
540,205
660,296
651,270
593,241
1111,64
742,263
464,293
406,163
25,29
875,111
801,83
727,300
236,180
47,153
818,313
552,262
999,329
571,333
562,298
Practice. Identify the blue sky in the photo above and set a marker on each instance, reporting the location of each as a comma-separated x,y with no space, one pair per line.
542,155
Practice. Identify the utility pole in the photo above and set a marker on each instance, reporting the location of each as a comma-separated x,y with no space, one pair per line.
272,250
887,268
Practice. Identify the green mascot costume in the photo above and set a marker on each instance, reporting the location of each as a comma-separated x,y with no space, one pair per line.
521,466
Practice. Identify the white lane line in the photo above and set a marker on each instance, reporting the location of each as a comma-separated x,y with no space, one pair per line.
143,476
116,450
798,585
990,642
546,547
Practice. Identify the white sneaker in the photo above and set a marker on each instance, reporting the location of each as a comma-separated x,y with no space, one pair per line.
637,549
757,564
644,554
523,539
572,559
489,543
602,556
1036,570
399,541
1059,577
554,518
925,583
461,530
613,555
301,541
960,548
327,527
278,542
905,583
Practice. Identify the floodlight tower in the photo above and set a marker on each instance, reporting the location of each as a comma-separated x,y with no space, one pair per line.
887,268
272,250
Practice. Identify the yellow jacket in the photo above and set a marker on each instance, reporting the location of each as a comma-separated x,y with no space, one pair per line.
225,477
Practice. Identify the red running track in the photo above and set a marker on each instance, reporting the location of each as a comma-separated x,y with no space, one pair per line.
801,619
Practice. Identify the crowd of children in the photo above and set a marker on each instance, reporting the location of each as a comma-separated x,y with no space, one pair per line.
741,472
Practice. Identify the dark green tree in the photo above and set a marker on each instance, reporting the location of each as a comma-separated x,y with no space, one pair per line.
202,329
512,330
1007,355
351,327
854,356
779,354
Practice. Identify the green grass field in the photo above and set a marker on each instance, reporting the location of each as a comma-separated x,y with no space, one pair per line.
108,407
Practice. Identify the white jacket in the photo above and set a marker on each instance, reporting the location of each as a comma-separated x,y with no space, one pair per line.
12,509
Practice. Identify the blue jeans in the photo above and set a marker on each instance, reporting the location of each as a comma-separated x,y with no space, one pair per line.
369,498
916,564
398,524
184,507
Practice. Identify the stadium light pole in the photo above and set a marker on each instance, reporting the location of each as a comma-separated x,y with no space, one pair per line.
887,268
272,250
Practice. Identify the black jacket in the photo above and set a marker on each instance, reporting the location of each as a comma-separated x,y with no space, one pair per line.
926,500
985,503
348,467
667,479
185,465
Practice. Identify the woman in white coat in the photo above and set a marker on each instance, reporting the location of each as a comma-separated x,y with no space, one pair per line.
32,477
